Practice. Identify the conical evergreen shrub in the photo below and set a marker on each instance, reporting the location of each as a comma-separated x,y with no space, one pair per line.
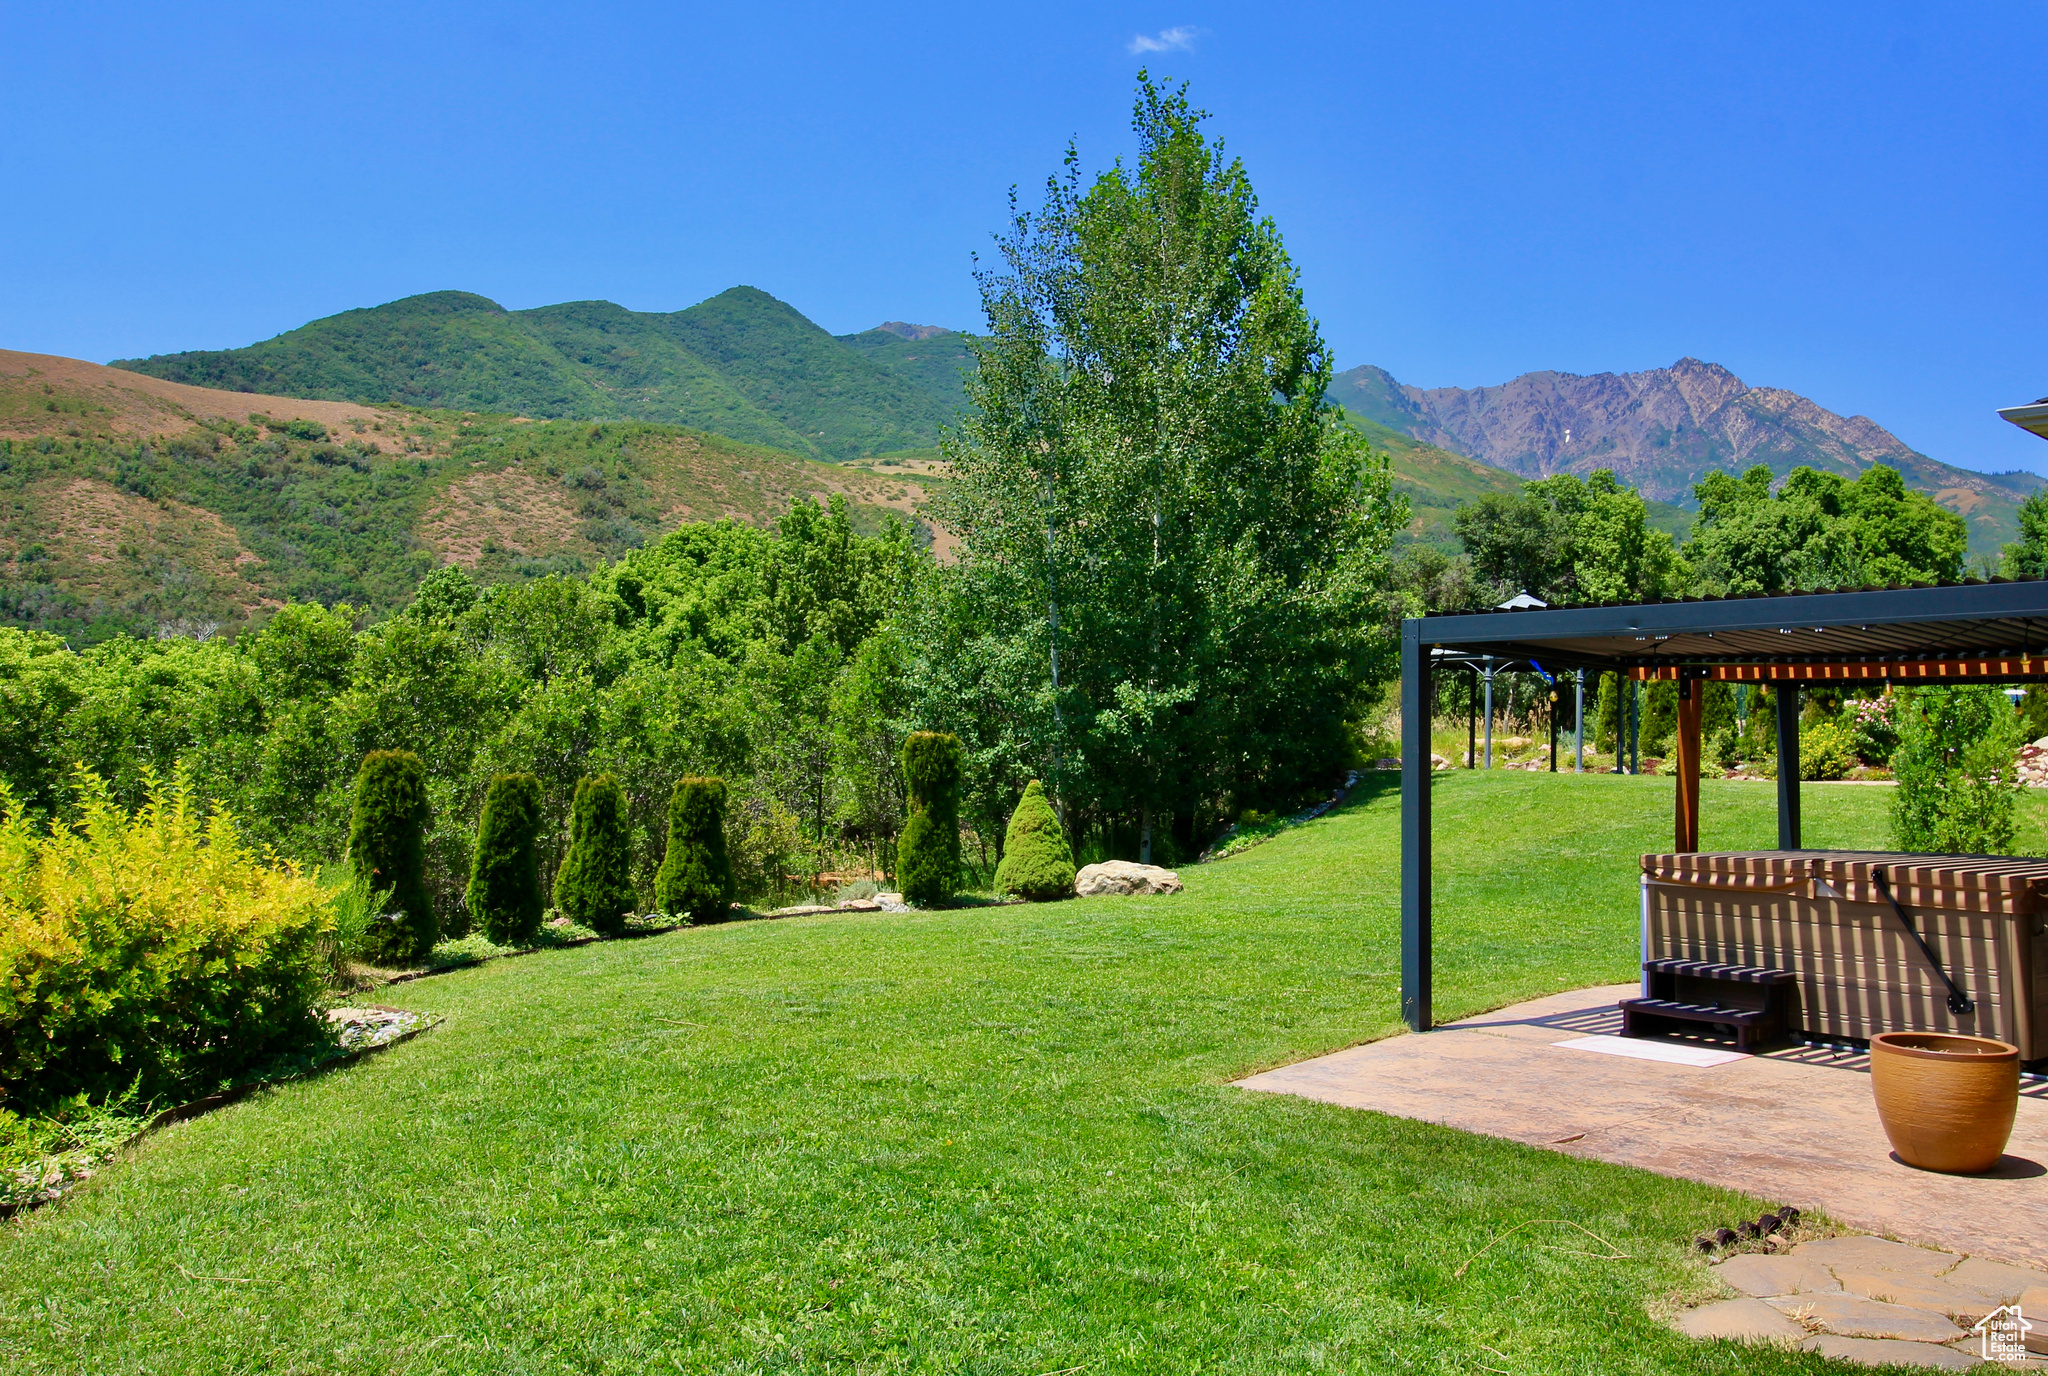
594,885
504,879
928,851
1037,864
695,879
387,840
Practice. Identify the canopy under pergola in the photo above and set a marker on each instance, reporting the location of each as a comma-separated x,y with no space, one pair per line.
1971,632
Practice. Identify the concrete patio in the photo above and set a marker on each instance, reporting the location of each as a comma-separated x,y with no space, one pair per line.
1792,1127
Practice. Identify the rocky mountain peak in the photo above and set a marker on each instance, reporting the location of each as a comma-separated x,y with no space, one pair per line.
913,333
1663,429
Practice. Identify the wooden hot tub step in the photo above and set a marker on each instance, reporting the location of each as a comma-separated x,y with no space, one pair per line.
1726,974
1754,1027
1696,1012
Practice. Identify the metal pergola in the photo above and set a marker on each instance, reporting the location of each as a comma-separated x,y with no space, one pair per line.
1971,632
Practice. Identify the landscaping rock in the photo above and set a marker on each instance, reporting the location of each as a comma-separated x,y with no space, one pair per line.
361,1029
1874,1254
2033,764
1852,1316
1744,1321
2035,1301
1890,1352
1763,1277
1124,877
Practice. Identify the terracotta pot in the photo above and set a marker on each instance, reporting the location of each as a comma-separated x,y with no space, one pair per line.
1946,1101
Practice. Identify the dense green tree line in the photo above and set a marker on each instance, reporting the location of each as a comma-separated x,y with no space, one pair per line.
1569,540
722,650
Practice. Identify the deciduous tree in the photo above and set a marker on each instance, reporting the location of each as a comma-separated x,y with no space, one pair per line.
1151,482
1818,531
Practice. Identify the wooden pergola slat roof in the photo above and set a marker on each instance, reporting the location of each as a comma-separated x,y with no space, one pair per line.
1998,619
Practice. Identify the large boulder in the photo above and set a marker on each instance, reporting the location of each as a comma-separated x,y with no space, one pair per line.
1124,877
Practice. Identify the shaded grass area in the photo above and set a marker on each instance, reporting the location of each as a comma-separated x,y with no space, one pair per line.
995,1139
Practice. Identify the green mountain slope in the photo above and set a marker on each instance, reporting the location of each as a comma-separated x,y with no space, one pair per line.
133,504
1437,482
638,369
935,361
446,349
840,401
741,364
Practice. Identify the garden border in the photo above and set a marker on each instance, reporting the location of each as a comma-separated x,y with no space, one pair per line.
219,1099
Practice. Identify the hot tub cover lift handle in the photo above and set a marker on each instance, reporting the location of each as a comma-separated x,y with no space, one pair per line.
1958,1002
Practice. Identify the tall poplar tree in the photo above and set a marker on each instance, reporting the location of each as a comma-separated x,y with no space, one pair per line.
1151,484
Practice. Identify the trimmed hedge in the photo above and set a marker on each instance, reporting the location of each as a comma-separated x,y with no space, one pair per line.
154,951
387,840
928,851
595,884
695,879
1037,863
504,880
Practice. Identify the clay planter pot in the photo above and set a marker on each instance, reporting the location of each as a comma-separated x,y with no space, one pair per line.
1946,1101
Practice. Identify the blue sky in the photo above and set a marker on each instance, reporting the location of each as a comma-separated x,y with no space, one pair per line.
1843,200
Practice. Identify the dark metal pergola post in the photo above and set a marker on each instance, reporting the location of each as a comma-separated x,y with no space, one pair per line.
1415,857
1489,711
1579,722
1787,695
1472,726
1553,728
1635,727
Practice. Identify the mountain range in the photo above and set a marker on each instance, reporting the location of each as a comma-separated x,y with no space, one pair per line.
749,367
1661,430
741,364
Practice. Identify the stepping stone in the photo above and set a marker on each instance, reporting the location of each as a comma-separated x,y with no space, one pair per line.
1852,1316
2034,1300
1752,1273
1890,1352
1743,1321
1875,1254
1963,1303
2003,1282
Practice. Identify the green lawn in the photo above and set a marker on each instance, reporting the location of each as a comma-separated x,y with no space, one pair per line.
991,1140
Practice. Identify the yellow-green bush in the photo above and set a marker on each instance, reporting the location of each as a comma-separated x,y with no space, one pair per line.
152,950
1827,749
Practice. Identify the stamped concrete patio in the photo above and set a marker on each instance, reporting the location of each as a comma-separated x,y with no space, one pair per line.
1793,1127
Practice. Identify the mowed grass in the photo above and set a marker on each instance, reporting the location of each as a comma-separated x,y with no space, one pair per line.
988,1140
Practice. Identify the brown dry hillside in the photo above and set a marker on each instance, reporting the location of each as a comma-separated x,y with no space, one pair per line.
133,504
44,394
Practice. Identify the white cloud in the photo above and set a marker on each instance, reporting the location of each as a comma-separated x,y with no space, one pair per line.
1179,38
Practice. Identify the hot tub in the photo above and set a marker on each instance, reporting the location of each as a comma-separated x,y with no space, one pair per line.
1856,965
